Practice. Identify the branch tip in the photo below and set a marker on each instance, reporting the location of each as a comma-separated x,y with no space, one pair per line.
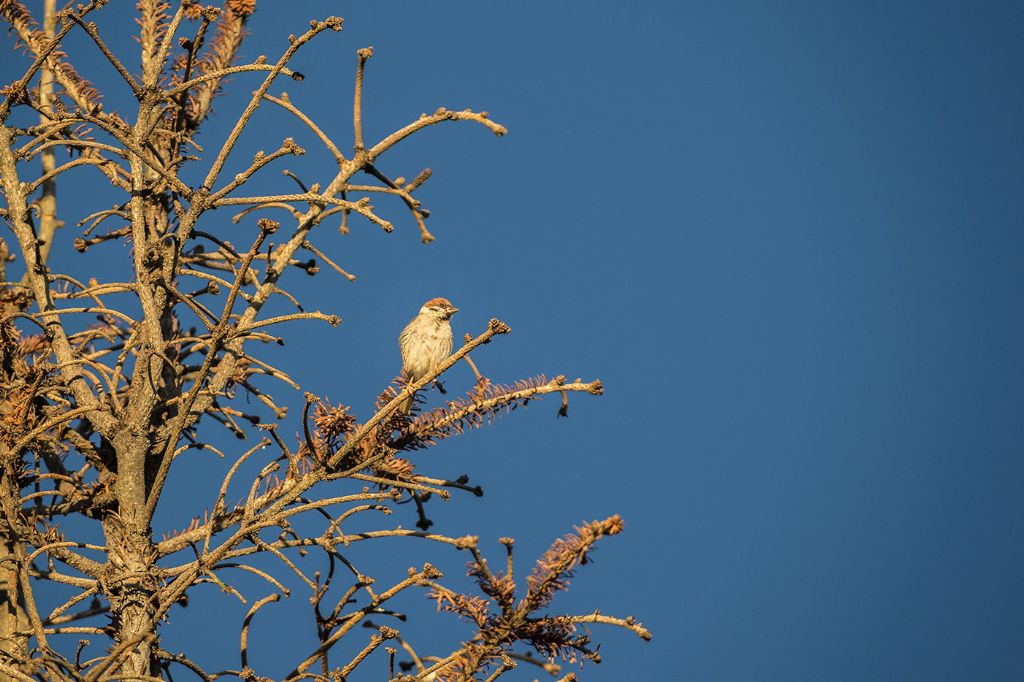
467,542
498,327
267,225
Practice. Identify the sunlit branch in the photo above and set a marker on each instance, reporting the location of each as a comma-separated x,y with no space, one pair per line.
90,28
333,23
285,102
221,73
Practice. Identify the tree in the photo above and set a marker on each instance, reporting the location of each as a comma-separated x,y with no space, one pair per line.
95,414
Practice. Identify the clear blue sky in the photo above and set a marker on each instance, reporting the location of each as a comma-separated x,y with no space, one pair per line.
789,238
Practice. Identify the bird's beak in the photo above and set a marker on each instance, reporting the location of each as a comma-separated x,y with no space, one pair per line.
452,311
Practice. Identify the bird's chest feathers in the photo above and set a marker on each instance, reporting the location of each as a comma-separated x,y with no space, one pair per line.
433,336
428,345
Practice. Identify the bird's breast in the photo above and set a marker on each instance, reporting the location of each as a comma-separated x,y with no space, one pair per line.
424,346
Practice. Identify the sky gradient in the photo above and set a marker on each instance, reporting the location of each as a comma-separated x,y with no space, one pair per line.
789,240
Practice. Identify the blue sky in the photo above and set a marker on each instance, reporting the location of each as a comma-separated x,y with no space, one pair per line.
789,240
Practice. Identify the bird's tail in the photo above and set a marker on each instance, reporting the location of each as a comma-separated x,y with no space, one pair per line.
406,406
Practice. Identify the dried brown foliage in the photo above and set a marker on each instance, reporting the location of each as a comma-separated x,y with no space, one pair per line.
105,383
502,621
32,40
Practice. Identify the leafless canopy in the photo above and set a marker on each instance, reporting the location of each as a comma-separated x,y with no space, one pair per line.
105,383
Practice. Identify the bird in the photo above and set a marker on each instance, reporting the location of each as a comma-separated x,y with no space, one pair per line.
425,342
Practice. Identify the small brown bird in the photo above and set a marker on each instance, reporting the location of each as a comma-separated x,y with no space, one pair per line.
426,341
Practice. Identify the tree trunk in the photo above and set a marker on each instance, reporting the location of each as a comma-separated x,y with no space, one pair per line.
12,609
132,582
13,618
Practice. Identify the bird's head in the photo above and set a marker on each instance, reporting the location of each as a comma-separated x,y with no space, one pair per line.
441,308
